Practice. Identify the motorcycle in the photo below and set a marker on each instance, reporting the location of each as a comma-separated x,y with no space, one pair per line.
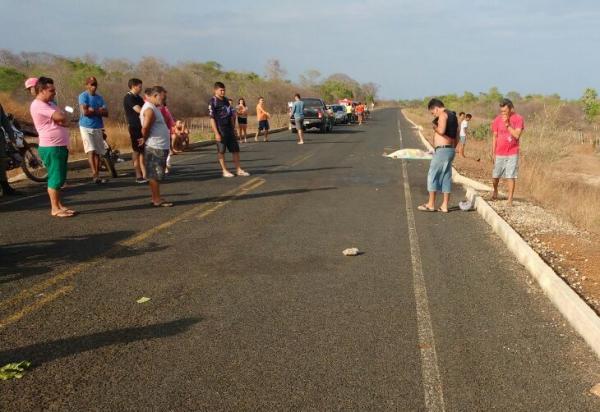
21,153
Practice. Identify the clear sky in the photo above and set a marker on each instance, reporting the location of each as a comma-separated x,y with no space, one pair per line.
410,48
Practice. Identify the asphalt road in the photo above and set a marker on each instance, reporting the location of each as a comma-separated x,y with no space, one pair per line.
254,307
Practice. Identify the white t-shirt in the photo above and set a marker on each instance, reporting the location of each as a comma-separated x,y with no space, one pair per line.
464,125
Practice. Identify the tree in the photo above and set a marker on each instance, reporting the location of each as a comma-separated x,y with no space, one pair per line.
591,105
333,90
370,91
309,78
274,70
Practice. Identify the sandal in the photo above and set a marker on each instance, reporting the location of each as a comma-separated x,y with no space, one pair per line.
425,208
62,213
162,204
442,210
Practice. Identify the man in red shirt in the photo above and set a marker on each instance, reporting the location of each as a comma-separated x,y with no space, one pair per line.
507,129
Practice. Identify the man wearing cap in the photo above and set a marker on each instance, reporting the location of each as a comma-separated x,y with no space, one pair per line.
91,125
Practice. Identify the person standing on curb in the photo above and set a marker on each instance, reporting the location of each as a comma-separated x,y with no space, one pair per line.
298,115
51,124
439,177
91,126
7,190
132,103
156,139
223,125
263,119
242,118
507,129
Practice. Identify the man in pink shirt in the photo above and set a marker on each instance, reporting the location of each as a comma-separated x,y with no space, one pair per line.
507,129
51,124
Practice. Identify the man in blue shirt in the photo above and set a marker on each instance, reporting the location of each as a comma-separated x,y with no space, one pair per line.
91,125
298,115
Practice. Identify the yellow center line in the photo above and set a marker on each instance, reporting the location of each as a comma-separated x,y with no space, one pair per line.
199,212
35,306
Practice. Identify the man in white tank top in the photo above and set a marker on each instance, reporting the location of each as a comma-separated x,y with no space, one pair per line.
157,140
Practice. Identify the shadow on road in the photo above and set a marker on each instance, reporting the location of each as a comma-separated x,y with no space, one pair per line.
44,352
35,258
210,200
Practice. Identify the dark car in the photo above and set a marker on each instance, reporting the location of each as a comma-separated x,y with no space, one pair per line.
316,115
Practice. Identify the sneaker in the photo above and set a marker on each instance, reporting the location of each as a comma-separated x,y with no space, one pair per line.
227,174
241,172
141,180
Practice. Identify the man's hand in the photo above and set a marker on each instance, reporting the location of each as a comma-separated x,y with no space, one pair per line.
140,141
218,137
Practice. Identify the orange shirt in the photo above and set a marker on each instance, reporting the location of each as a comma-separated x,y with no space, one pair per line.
360,108
261,113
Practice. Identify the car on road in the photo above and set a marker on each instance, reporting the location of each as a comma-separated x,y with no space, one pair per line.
339,113
316,115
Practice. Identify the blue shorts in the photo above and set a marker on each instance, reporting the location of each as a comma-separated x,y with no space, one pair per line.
506,167
263,125
439,178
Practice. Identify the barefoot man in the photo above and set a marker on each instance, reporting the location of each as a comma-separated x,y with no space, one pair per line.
507,129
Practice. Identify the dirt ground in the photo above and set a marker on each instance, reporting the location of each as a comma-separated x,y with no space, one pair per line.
572,252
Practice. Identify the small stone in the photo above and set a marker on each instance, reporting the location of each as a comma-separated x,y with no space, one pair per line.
596,390
351,251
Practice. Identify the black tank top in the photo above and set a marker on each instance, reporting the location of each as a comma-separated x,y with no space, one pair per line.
451,125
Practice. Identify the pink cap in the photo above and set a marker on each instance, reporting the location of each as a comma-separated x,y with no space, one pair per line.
31,82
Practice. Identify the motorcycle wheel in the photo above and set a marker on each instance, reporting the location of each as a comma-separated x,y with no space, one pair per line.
32,164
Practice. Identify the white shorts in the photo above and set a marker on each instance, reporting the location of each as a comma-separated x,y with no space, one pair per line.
92,140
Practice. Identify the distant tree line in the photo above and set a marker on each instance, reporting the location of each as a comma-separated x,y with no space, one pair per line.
189,83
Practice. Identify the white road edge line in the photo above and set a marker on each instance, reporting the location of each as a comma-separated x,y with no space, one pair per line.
432,383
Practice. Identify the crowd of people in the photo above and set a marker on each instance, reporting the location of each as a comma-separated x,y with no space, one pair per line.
154,133
450,137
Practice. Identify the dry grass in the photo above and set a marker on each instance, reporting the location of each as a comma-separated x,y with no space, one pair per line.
556,170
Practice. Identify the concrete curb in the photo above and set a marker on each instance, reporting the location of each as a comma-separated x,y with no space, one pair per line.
579,315
83,163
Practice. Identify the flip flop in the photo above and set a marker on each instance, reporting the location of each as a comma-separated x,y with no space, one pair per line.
62,214
442,210
424,208
69,211
162,204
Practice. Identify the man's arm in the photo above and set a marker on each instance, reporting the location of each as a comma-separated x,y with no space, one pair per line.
147,124
514,132
213,124
494,138
442,123
60,118
137,108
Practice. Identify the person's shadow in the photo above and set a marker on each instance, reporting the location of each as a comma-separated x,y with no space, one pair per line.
44,352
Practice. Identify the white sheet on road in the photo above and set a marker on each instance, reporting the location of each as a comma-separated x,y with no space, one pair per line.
411,154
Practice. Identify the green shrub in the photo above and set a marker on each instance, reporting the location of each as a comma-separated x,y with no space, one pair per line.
10,79
482,132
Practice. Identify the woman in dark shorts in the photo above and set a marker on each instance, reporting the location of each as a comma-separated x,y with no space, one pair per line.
242,117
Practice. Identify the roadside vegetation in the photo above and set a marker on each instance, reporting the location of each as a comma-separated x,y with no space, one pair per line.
189,84
560,162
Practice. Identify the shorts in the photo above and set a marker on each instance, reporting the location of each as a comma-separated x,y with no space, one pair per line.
155,161
263,125
439,177
55,160
462,139
299,121
228,142
135,133
506,167
242,120
93,140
